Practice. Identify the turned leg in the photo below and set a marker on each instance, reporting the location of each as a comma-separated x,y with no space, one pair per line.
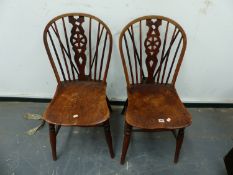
108,137
52,135
125,107
179,141
128,130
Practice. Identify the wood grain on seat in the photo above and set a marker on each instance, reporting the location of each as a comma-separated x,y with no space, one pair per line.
80,103
148,103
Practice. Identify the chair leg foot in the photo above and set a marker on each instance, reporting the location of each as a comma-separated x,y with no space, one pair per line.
108,137
125,107
52,135
128,130
179,141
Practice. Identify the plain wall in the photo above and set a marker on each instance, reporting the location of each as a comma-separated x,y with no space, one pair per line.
206,72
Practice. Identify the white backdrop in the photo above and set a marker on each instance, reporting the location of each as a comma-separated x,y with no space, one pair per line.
206,73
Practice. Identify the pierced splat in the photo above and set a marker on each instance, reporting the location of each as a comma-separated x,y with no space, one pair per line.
68,41
163,42
152,44
79,43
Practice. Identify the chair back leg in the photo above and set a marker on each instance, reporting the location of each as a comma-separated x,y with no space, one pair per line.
125,107
52,135
179,141
128,131
109,105
108,137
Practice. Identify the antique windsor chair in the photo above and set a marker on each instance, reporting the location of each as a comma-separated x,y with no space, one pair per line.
149,47
79,48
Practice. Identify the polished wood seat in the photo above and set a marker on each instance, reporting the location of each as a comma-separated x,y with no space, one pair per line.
78,103
148,103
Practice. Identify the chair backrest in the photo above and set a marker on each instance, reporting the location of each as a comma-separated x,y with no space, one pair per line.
149,47
79,47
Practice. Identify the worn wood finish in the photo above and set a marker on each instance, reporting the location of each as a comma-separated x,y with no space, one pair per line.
152,49
149,102
79,48
78,103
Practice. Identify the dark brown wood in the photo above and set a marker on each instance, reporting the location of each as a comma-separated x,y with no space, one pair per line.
76,27
174,133
228,160
57,56
140,38
152,44
154,67
173,60
165,59
58,127
78,41
109,105
90,48
137,60
125,107
80,98
153,104
135,53
52,135
55,29
167,53
179,141
130,64
150,130
97,50
68,48
108,137
128,129
102,59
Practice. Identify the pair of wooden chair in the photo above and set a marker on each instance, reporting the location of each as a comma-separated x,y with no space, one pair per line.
79,48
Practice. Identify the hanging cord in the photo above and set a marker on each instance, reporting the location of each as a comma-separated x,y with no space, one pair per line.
30,116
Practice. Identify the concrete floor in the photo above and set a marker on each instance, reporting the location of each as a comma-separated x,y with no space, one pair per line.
83,151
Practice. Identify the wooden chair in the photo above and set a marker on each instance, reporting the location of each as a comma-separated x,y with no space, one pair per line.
79,48
149,47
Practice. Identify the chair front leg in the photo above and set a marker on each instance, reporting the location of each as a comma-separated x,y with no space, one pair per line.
179,141
108,137
128,130
52,135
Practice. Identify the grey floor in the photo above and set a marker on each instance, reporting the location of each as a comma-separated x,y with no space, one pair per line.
83,151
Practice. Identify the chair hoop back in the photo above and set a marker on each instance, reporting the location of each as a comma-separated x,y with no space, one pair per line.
79,47
149,48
